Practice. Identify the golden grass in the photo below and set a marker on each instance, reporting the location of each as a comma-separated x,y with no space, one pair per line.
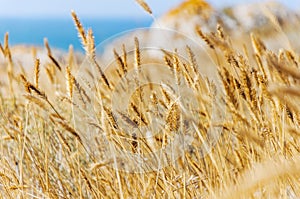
43,153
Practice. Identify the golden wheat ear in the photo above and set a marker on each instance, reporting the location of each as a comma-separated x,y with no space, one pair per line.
145,6
204,37
70,81
80,29
137,52
88,43
2,49
6,47
120,62
36,72
258,45
49,53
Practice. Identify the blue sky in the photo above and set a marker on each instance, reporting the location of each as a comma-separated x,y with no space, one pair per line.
98,8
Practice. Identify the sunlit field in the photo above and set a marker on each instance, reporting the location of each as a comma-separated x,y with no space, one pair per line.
192,107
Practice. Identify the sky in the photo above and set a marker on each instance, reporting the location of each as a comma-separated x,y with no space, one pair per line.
100,8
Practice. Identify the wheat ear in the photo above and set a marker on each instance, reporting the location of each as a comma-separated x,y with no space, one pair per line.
80,28
145,6
36,72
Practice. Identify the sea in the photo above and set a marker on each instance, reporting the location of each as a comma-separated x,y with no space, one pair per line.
61,33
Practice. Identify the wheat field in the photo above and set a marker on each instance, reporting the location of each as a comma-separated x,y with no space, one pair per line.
45,153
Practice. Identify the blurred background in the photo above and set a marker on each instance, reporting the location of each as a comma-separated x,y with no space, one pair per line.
28,22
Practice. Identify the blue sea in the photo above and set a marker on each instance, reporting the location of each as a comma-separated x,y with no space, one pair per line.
61,32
